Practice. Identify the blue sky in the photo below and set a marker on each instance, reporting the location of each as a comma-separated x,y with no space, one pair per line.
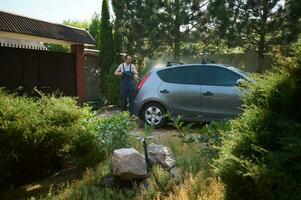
53,10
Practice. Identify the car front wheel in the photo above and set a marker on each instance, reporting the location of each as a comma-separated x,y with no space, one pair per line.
154,114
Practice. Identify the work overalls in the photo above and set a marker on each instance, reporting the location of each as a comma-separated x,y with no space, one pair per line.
127,89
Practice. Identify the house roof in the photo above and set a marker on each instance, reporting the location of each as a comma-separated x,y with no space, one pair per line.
24,25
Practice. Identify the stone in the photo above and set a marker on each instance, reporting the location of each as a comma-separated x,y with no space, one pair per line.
161,155
176,172
129,164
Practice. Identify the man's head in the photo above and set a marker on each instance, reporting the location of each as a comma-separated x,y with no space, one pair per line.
128,59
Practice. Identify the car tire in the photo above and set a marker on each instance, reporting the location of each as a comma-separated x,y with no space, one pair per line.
154,114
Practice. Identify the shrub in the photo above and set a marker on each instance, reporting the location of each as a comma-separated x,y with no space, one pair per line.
96,103
158,185
114,131
210,137
112,87
99,137
87,149
260,156
34,133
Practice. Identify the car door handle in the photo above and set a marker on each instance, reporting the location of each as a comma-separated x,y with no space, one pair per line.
164,91
208,93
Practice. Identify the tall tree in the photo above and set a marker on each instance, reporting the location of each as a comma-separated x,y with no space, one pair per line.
291,19
94,28
247,23
106,45
84,24
177,19
160,25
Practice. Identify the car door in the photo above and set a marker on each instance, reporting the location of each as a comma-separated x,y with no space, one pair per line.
220,98
180,90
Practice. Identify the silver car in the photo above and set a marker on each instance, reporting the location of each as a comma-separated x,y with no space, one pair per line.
197,92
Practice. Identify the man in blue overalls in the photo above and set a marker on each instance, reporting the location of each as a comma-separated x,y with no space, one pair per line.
127,71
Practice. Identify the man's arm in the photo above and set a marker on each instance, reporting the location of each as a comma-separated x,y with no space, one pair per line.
135,71
118,71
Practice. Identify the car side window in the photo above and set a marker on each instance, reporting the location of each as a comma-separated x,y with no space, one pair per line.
213,75
181,75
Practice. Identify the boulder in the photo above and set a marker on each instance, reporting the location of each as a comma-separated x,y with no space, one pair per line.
161,155
176,172
128,164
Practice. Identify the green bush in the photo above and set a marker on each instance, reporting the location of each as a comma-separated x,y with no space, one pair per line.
260,156
114,131
100,136
96,103
38,134
112,87
87,149
34,134
210,137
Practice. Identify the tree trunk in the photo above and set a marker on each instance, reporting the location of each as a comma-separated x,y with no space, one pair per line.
177,33
261,50
262,39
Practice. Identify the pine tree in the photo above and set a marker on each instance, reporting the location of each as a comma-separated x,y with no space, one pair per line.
106,44
94,28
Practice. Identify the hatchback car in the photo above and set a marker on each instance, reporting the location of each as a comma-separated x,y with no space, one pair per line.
197,92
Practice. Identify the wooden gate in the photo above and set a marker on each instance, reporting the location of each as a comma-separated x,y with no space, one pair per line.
46,70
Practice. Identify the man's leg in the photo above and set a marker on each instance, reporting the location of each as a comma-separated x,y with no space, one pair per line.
123,96
131,98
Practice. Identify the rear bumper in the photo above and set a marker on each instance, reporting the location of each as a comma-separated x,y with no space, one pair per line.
137,108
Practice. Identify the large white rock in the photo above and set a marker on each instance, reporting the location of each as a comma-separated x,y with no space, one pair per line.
162,155
128,164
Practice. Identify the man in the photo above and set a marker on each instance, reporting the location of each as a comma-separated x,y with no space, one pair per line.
127,71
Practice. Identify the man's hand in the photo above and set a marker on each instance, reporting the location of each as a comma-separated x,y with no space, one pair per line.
116,73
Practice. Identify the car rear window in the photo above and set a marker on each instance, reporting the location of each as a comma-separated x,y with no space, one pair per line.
181,75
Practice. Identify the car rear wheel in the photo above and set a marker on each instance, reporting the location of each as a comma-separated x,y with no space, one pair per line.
154,114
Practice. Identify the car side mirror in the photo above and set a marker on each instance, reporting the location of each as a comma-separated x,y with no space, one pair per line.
240,82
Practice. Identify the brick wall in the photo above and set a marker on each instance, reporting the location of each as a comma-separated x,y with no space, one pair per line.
92,72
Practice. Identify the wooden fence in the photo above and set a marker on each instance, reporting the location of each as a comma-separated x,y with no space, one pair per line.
247,61
46,70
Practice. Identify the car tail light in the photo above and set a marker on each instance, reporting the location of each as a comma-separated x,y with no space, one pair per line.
139,86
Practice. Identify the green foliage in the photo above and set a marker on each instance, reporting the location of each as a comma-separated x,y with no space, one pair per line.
94,29
114,131
260,156
76,23
250,24
161,182
96,103
210,137
112,87
34,133
168,18
57,47
90,187
106,46
184,130
100,136
87,149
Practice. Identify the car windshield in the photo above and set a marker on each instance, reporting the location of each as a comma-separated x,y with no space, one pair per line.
238,70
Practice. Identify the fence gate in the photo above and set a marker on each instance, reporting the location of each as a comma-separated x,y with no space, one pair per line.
48,71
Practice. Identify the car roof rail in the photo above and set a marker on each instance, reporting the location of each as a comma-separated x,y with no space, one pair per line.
171,63
207,61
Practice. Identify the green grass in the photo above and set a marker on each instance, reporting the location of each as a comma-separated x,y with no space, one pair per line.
160,184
